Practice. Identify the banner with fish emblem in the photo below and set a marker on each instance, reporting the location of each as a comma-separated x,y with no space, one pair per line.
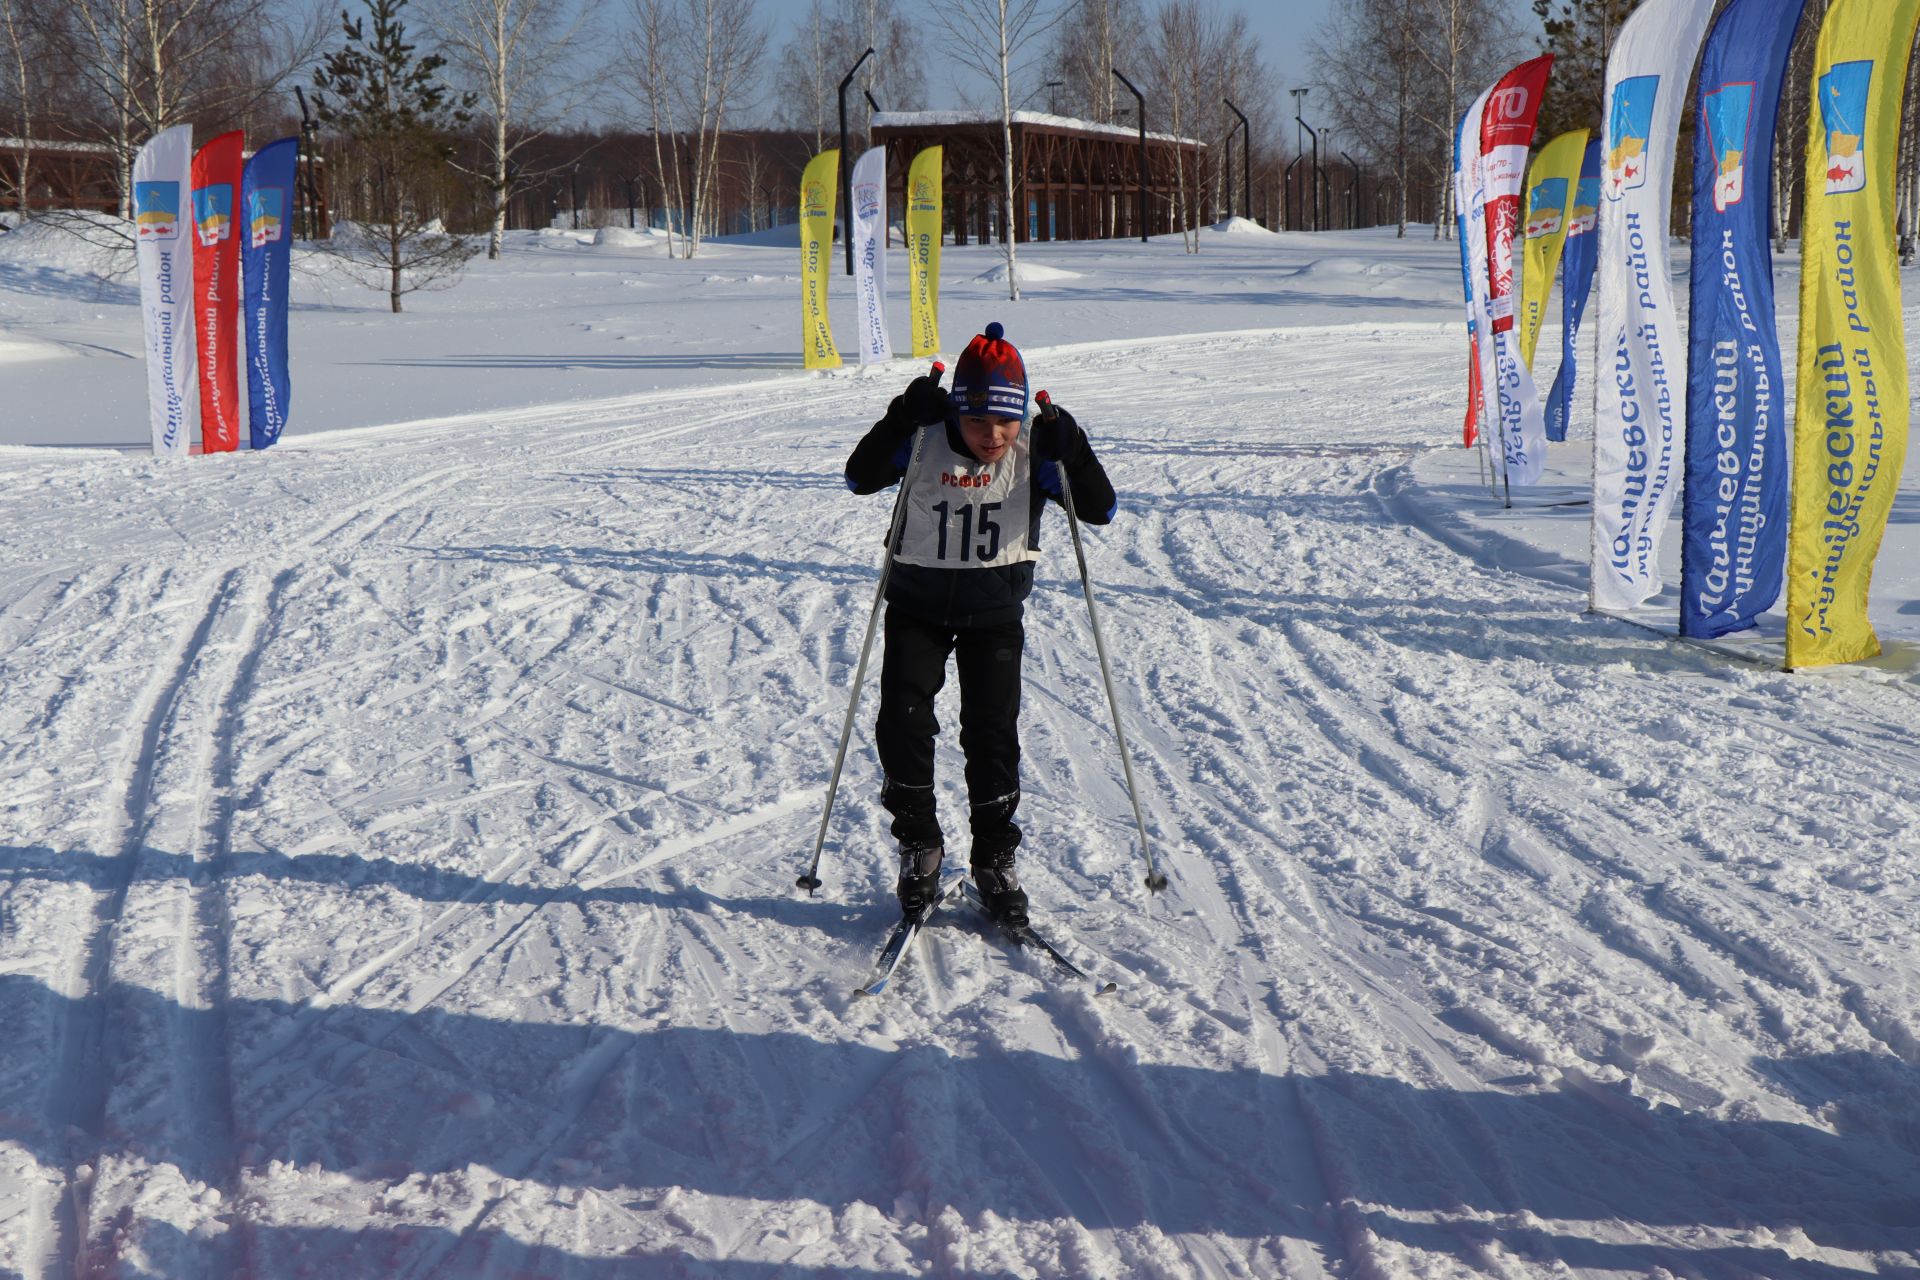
1734,505
266,267
163,254
1577,262
1639,401
1850,431
216,290
1552,183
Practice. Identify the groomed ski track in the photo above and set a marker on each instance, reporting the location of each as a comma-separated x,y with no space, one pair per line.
401,832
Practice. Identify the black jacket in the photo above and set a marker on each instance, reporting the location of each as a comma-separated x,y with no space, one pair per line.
974,597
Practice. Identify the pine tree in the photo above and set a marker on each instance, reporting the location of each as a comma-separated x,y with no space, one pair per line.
396,116
1580,36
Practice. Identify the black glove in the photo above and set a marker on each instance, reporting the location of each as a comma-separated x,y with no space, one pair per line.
925,401
1054,435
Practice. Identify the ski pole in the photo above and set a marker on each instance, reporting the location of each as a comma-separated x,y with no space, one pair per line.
810,879
1155,880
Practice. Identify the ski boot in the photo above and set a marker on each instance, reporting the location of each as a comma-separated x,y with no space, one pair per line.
919,883
1000,891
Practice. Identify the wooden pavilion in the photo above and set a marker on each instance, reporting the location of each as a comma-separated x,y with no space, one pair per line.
1076,179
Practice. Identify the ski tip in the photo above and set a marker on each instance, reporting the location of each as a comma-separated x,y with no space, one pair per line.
1105,988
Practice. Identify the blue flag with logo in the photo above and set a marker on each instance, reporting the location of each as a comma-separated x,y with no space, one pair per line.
266,268
1576,285
1734,505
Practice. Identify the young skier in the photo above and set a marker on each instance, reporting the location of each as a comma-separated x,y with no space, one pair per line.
962,569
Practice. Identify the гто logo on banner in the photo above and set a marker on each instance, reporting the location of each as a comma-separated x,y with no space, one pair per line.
266,215
1728,111
1843,106
866,199
1629,124
213,214
156,210
1549,198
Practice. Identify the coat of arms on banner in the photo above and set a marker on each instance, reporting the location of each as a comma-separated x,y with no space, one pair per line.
156,210
1728,111
1843,108
213,214
266,215
1586,207
1629,126
1545,208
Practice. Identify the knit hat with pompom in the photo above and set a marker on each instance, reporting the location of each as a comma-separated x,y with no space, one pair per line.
990,377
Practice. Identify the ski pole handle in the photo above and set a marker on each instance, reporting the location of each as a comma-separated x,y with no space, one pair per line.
1048,410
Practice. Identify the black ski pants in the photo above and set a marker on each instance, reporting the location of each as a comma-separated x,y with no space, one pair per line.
911,673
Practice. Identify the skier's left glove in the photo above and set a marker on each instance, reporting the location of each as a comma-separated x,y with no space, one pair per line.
1057,437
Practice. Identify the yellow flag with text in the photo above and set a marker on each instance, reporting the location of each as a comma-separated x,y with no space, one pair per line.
1850,432
817,185
1552,183
924,203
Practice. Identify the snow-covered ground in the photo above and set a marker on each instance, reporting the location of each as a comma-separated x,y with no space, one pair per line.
398,830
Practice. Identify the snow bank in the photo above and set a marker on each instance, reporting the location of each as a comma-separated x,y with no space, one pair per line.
627,238
1240,227
1030,273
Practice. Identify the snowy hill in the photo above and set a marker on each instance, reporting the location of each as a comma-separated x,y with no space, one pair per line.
399,835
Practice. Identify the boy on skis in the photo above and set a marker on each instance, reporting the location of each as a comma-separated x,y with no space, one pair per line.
977,478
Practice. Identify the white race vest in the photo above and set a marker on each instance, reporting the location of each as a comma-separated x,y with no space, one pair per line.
963,514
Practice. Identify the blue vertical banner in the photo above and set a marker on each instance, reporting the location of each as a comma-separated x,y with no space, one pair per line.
1576,286
1734,504
266,268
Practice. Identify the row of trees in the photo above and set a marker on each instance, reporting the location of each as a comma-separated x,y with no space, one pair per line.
445,105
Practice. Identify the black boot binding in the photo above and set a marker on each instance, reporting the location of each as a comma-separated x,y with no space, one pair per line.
919,883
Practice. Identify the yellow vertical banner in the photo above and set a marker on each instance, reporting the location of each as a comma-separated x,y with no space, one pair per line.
1552,183
817,185
924,203
1850,432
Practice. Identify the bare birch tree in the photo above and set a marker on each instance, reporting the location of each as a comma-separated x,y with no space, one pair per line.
693,63
829,38
142,66
23,86
1096,37
519,57
988,36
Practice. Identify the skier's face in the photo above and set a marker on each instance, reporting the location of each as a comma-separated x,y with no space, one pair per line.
989,437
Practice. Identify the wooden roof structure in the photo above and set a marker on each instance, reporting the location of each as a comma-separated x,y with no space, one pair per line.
1073,179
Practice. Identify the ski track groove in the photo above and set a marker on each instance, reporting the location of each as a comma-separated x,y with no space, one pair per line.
82,1077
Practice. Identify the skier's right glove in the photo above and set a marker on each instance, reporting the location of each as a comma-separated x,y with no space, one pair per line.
925,401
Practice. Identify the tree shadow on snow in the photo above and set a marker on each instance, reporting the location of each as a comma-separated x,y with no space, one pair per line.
1097,1136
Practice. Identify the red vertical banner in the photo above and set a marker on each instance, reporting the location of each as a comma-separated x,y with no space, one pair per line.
1506,134
216,290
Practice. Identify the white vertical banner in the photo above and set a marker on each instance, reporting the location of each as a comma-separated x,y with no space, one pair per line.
1506,133
1640,401
869,254
1472,192
163,250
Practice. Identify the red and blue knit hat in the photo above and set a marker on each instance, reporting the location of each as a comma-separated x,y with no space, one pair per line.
990,377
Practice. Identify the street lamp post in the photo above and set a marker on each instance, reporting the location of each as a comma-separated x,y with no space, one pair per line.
846,170
1353,194
1246,157
1140,99
1315,135
573,193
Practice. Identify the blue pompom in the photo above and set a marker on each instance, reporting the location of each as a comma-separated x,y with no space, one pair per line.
995,332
